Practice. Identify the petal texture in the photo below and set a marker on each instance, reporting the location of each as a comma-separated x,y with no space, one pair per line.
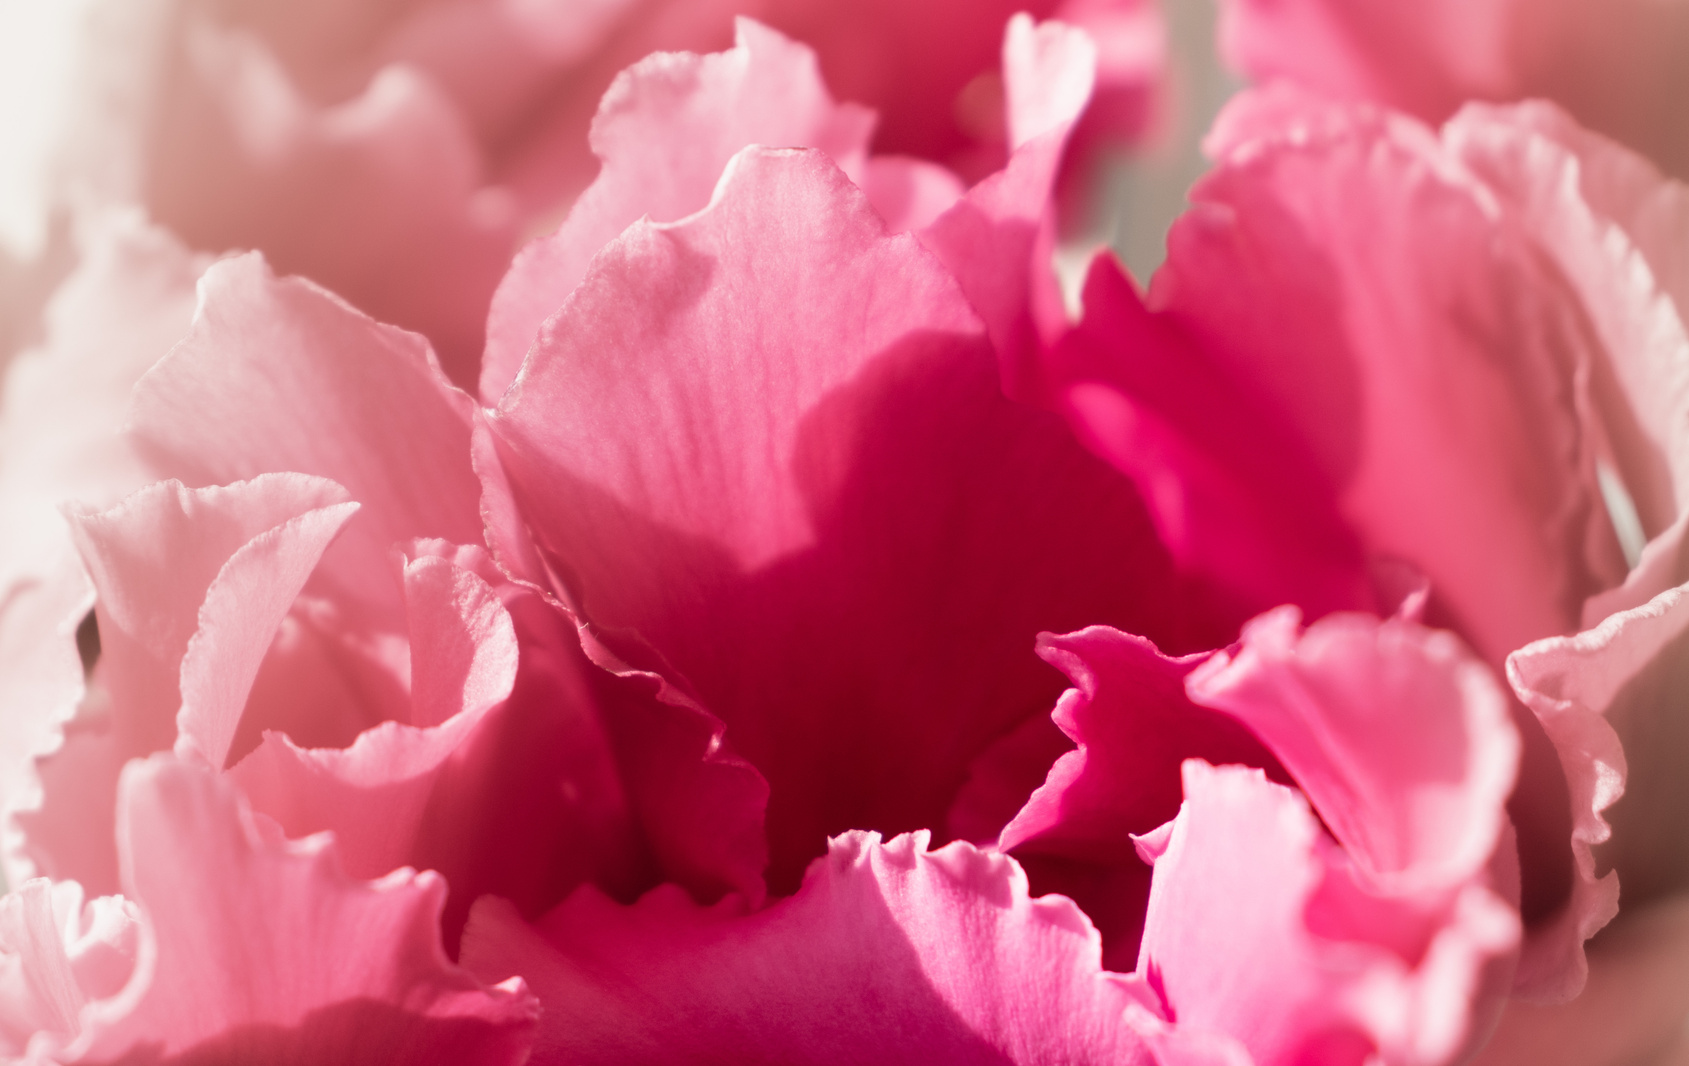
889,953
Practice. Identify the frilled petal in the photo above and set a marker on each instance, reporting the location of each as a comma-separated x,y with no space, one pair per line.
277,375
57,954
888,953
803,488
1134,727
1258,929
41,683
463,652
665,131
1623,680
1617,229
377,198
999,239
254,947
1398,735
168,552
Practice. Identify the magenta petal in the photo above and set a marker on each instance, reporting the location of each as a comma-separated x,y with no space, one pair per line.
278,375
1257,930
251,945
1135,726
1399,736
665,131
888,953
791,483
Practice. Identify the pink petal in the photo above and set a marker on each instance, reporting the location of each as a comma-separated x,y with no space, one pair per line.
157,556
1616,229
255,947
1355,336
277,375
377,198
889,953
130,298
373,794
41,684
999,239
1236,495
57,954
665,131
910,194
1622,679
1400,738
774,498
1134,726
1257,930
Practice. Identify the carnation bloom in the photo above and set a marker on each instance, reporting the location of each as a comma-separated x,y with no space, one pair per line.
697,665
397,153
1617,65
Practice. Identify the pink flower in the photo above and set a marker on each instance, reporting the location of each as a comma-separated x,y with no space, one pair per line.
697,665
1617,65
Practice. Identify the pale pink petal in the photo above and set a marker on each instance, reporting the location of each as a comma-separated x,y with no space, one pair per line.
155,557
1134,725
373,794
57,954
665,131
1398,735
377,198
69,835
1624,680
1617,229
41,683
889,953
1257,930
130,298
243,608
253,947
789,480
278,375
998,241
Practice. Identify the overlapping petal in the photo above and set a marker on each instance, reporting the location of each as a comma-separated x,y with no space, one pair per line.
890,952
793,497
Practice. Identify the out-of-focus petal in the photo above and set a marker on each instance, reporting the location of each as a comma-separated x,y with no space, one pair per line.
255,947
798,496
665,131
377,198
888,953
